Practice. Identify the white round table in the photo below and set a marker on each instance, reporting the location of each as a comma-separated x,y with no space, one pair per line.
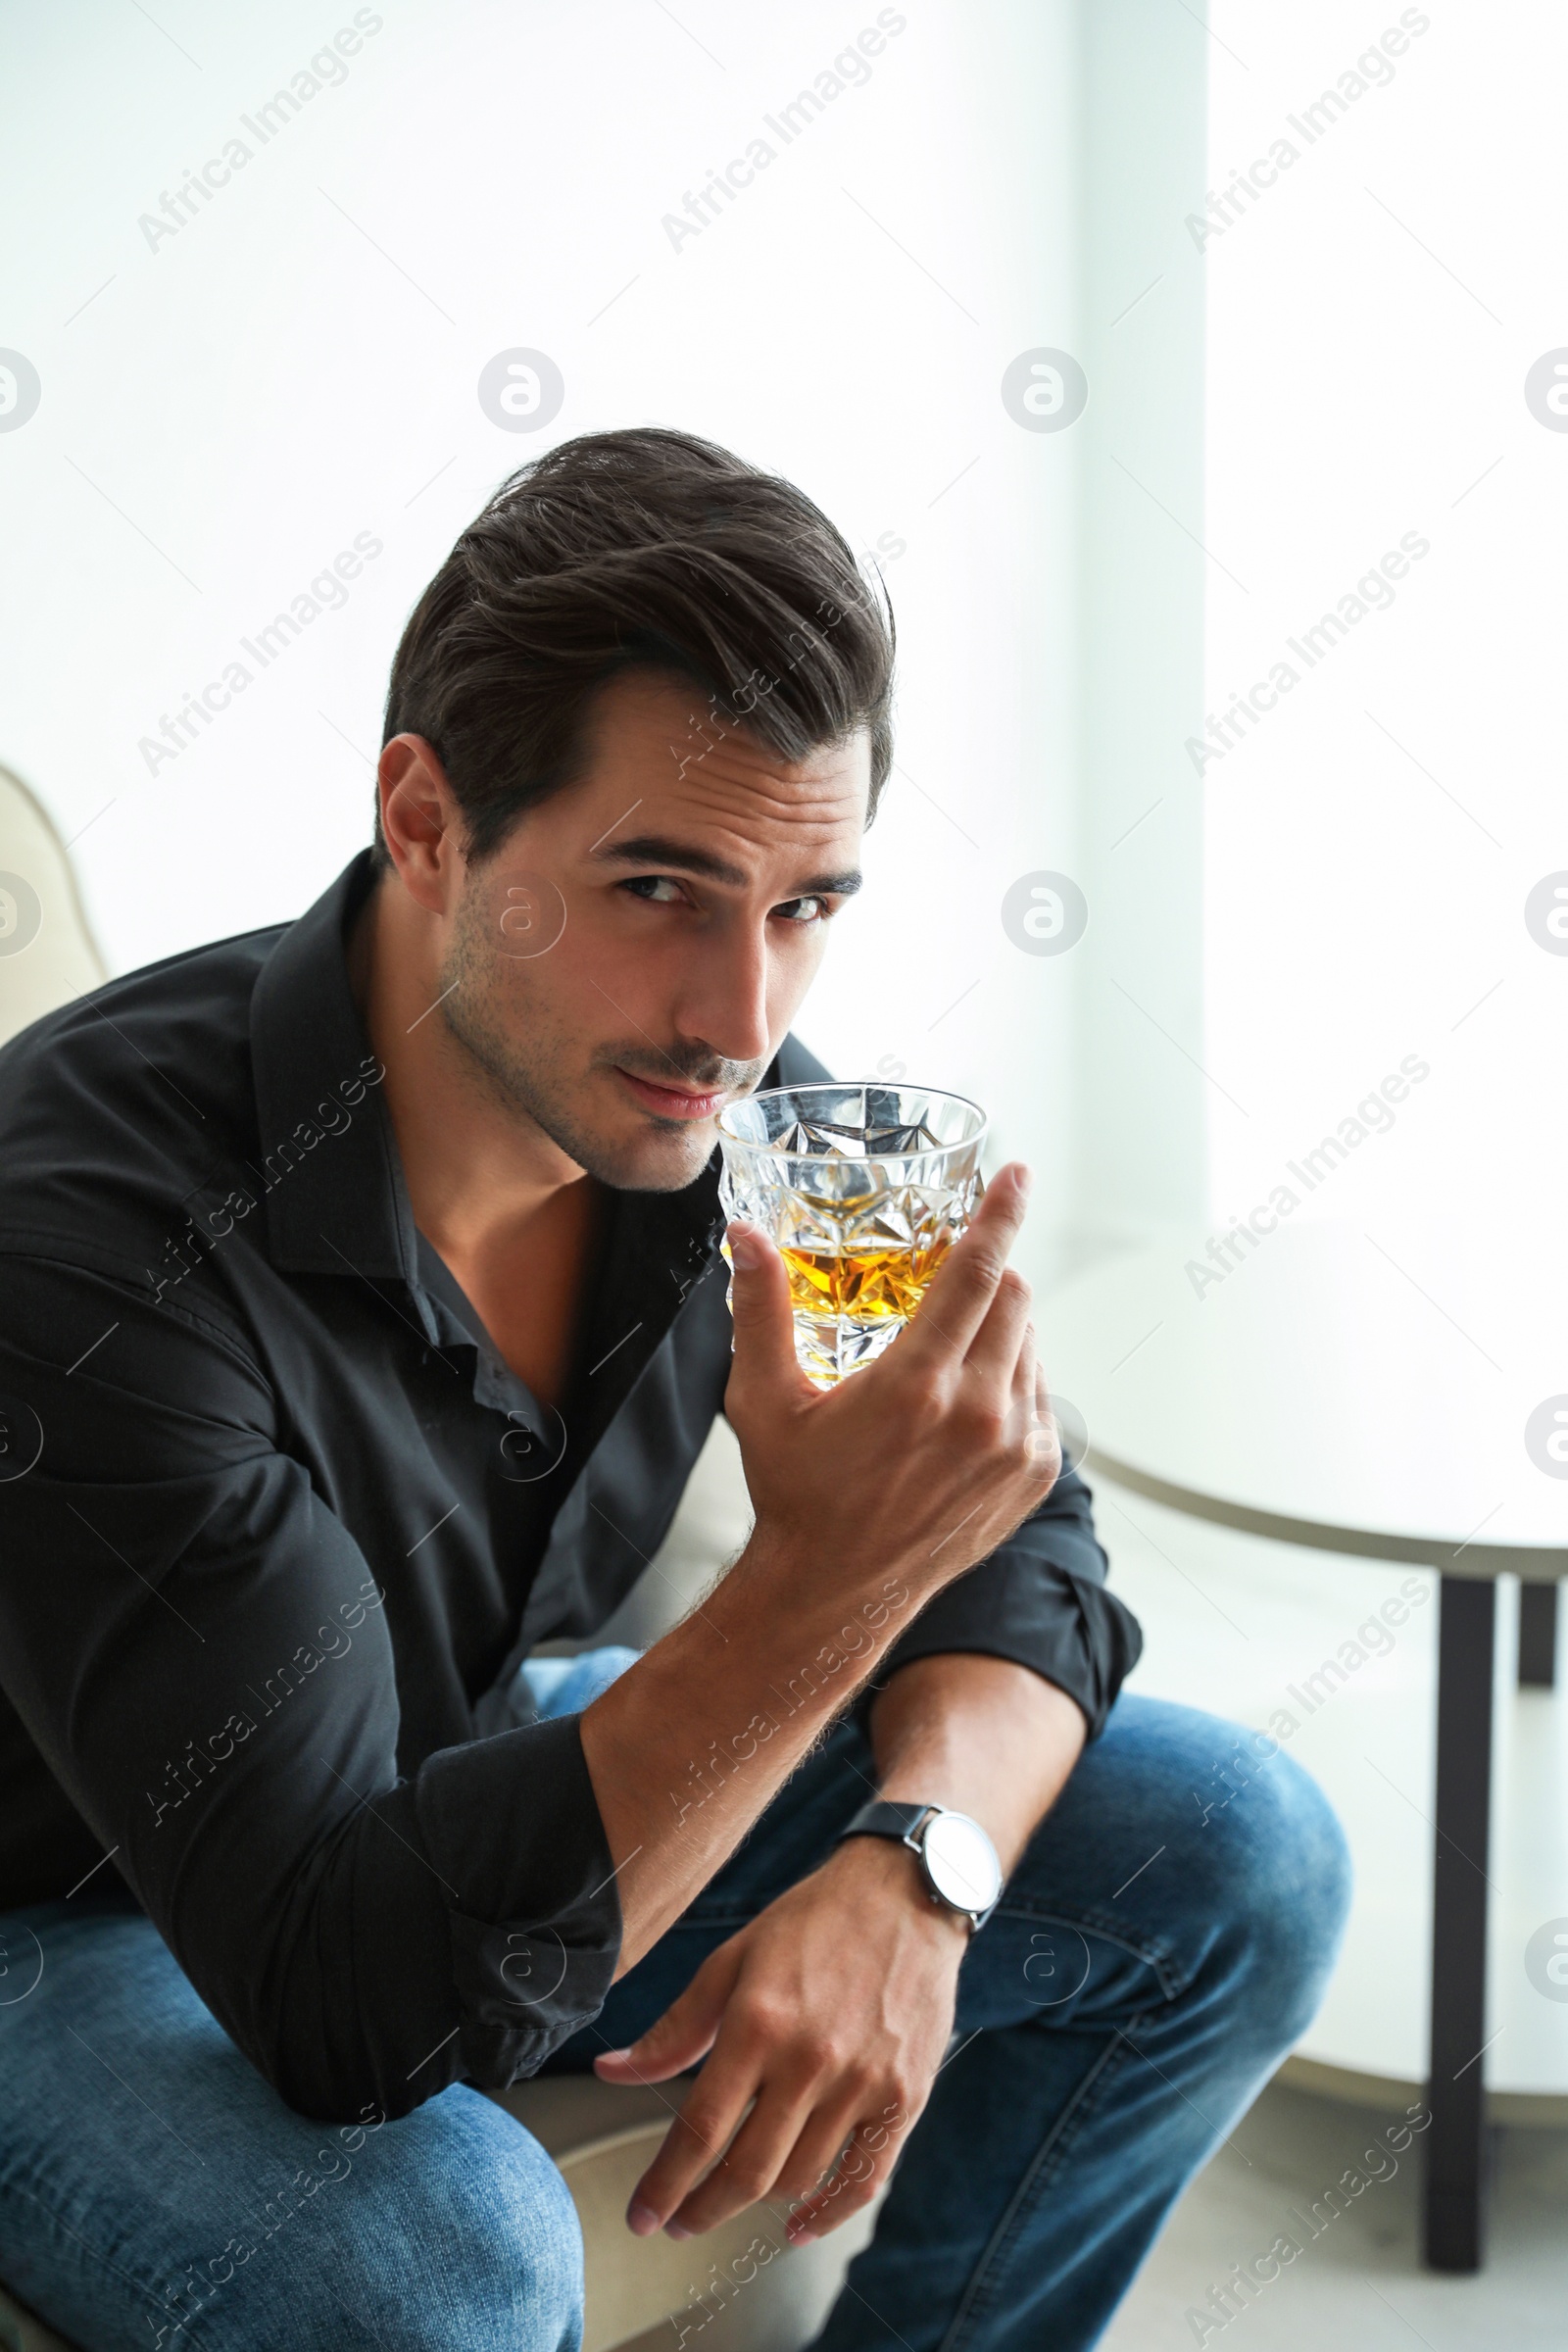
1312,1384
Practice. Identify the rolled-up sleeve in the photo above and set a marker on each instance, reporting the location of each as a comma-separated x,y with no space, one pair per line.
201,1653
1041,1600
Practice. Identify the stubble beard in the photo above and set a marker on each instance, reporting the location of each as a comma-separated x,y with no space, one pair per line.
533,1076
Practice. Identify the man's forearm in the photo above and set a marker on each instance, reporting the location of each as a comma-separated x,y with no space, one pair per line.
688,1746
981,1735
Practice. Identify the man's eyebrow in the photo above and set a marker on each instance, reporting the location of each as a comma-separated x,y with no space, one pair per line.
655,849
679,856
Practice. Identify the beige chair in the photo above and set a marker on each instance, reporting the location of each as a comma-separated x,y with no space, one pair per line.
722,2289
47,951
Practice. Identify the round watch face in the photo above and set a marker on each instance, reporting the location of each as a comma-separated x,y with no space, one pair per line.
961,1862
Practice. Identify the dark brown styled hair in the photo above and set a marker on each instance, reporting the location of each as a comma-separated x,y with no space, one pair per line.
645,549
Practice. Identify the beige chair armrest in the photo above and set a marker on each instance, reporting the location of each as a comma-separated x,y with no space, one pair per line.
738,2289
47,951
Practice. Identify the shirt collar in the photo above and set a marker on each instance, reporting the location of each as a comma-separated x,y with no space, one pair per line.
336,1202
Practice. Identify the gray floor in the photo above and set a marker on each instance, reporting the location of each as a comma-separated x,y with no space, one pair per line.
1357,2286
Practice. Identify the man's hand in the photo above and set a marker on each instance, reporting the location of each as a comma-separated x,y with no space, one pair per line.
831,2009
927,1459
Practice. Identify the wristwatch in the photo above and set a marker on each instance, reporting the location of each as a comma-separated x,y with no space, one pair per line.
960,1861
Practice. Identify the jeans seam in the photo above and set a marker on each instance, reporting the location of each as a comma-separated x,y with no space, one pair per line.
1076,2112
106,2262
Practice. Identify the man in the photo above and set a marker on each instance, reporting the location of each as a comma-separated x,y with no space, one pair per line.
363,1321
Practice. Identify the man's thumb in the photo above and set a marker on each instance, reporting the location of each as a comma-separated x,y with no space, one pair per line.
759,1304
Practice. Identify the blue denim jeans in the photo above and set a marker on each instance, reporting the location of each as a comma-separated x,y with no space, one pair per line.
1152,1957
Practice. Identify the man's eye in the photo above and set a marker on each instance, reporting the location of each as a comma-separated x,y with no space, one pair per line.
804,910
658,889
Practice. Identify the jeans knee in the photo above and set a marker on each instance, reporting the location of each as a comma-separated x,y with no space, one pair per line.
472,2246
1296,1883
513,2242
1277,1849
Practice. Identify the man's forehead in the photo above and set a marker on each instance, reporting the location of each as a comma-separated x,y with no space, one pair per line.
696,774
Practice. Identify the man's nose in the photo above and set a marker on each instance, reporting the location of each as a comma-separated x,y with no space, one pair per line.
725,1000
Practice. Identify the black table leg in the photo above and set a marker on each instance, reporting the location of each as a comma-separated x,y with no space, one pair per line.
1538,1637
1456,2136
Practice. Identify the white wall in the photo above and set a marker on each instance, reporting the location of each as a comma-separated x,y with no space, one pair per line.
1141,1126
1372,843
225,409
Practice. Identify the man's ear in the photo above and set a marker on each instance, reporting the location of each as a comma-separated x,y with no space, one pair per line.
421,823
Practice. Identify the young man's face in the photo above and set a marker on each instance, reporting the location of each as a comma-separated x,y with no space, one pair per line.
630,959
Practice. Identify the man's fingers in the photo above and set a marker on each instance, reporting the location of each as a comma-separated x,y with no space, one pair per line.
1028,1386
683,2034
948,1316
852,2187
810,2162
1025,1367
759,1308
999,1341
750,2167
694,2142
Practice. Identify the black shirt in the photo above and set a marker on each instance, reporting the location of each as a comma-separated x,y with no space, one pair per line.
279,1526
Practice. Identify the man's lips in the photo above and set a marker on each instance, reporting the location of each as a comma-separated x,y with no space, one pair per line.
674,1102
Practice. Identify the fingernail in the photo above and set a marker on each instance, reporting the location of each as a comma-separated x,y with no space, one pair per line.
676,2230
641,2219
604,2056
743,1247
1022,1179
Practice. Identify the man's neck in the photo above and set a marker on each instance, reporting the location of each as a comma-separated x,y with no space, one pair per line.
511,1215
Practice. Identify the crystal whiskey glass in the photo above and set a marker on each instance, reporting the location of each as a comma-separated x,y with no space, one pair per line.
864,1189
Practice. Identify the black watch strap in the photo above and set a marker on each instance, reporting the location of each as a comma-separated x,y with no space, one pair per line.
882,1818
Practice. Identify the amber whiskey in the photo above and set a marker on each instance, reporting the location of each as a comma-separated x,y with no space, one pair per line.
877,1283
